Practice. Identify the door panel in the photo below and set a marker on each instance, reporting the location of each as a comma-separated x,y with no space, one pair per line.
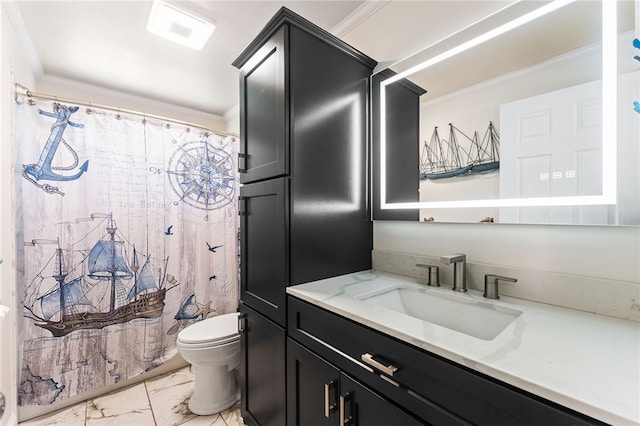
264,250
543,138
263,112
362,407
312,388
564,128
262,370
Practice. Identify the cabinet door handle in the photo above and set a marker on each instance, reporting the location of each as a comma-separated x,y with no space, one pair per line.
242,158
344,399
386,369
242,206
328,406
242,323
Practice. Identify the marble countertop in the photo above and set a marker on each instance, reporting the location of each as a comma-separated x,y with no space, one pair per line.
584,361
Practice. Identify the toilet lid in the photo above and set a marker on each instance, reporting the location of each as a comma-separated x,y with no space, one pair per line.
220,329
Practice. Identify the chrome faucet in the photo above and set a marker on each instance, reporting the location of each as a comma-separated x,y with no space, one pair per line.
459,270
491,285
434,274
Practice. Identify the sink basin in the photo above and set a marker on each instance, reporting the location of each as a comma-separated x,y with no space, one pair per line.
474,318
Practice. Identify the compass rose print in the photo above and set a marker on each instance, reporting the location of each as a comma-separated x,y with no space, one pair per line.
201,175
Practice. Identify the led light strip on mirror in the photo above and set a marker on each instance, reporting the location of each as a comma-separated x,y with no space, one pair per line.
609,117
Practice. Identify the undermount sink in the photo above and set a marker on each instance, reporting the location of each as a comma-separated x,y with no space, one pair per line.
474,318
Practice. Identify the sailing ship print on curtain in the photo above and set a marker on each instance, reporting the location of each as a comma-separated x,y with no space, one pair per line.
127,234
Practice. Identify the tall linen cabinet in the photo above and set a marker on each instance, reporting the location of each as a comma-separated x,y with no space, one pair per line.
304,206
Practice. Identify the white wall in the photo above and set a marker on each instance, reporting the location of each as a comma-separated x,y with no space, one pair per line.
14,65
102,96
607,252
232,120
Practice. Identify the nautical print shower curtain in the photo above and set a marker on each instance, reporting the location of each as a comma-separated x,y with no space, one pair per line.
127,234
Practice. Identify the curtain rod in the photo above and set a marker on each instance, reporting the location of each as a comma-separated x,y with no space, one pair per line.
22,90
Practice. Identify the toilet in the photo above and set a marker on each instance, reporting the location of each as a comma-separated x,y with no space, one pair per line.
212,347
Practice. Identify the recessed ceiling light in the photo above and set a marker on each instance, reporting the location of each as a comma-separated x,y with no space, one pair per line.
179,26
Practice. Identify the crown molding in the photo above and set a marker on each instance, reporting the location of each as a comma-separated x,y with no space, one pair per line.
359,15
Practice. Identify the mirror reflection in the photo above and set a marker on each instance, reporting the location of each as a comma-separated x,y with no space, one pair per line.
519,127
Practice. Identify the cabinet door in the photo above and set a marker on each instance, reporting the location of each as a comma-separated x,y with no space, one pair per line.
263,117
360,406
264,247
262,370
312,388
318,394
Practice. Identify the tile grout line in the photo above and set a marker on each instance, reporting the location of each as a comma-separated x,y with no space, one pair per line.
146,391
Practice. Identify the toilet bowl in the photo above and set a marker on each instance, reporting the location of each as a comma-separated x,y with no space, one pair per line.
212,347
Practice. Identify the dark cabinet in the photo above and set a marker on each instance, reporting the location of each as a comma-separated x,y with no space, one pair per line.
264,128
303,131
402,164
436,390
321,395
304,208
312,388
264,238
363,407
262,369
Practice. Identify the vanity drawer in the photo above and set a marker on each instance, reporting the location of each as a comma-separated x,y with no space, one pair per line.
423,382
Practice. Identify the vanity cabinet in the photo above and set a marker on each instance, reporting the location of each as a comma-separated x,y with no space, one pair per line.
434,389
322,395
303,205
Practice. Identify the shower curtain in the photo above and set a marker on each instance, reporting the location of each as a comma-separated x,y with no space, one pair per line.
127,234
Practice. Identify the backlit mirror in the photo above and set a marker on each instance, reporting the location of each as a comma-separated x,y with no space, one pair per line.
528,117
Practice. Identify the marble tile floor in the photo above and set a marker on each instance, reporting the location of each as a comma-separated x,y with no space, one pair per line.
159,401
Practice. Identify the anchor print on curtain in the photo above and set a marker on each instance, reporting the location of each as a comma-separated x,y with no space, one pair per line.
127,234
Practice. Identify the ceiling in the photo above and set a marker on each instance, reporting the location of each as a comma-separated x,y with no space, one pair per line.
105,43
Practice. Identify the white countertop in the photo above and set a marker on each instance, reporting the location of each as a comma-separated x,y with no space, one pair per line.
587,362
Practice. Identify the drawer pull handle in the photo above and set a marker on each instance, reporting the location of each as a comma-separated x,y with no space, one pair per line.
328,406
386,369
344,399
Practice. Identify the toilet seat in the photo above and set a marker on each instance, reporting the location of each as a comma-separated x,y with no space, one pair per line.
215,331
